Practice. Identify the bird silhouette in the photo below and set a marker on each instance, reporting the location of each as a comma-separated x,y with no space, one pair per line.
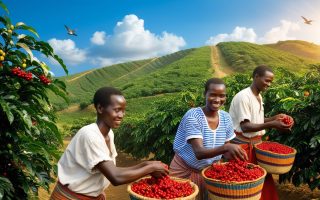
70,32
307,21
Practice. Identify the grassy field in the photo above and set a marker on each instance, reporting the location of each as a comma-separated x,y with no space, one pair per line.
299,48
81,87
244,56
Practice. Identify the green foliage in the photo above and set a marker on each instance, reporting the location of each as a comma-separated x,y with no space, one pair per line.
84,105
286,95
244,57
235,84
162,123
28,135
289,98
6,188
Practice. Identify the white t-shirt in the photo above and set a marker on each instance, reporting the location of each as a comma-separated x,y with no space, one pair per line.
245,106
86,149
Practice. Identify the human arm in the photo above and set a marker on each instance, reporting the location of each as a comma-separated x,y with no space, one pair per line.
123,175
275,117
235,151
247,126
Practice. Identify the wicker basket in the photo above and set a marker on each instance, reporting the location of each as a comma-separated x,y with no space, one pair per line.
135,196
275,163
245,190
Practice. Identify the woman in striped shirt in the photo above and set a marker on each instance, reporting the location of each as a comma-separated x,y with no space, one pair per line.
203,137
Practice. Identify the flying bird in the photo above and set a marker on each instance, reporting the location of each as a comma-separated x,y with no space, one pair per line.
307,21
70,32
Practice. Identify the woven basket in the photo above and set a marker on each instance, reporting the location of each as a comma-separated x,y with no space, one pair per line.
135,196
245,190
275,163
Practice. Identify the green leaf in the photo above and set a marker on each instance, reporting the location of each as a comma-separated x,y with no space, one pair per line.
7,110
4,21
6,187
25,117
26,48
4,7
21,25
60,61
59,92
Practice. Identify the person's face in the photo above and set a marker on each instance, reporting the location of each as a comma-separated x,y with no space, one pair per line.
215,96
113,114
263,82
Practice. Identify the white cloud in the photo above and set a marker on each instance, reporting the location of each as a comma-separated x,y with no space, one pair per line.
99,38
238,34
285,31
130,41
67,50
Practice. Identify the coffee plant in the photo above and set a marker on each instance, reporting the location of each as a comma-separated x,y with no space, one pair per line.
29,137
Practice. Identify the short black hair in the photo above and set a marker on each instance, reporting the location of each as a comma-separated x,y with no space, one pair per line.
261,70
212,81
103,96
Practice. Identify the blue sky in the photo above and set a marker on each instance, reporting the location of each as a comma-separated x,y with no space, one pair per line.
116,31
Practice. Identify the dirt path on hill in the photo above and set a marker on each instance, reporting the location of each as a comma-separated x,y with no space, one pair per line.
215,63
77,77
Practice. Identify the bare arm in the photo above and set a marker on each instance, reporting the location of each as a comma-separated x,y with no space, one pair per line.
247,126
119,176
202,153
268,119
275,117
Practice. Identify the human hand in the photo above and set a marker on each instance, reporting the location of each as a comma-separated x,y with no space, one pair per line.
234,151
281,124
288,120
159,169
279,116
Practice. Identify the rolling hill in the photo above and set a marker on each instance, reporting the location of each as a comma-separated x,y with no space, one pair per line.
299,48
181,70
244,56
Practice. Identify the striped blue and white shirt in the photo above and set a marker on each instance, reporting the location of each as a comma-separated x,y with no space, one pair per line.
195,125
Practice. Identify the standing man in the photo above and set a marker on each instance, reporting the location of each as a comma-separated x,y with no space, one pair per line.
249,122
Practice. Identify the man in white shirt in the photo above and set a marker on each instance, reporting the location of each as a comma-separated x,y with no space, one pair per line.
88,165
249,122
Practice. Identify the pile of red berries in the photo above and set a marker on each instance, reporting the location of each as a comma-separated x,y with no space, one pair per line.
162,188
287,120
234,171
21,73
275,147
44,79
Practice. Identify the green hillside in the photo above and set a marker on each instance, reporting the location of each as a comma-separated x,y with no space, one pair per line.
82,86
185,73
299,48
146,81
178,71
244,56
